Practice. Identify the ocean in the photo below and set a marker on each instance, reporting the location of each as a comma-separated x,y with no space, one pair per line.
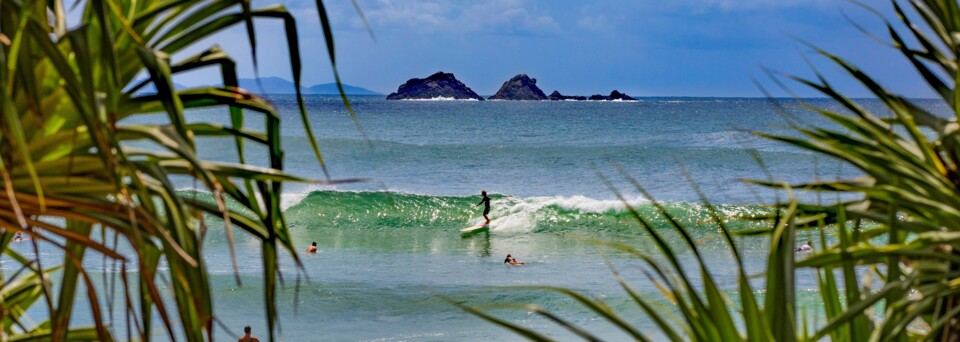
390,251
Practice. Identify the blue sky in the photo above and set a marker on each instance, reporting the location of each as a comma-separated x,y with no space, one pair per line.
641,47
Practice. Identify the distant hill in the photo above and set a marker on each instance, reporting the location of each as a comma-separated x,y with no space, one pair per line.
271,85
150,89
331,89
277,85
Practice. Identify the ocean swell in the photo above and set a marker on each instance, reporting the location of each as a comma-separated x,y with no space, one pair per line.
510,214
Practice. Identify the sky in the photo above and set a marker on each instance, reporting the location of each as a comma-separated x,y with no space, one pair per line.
581,47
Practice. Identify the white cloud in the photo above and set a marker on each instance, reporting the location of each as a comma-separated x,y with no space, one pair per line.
507,16
430,16
595,23
734,5
421,16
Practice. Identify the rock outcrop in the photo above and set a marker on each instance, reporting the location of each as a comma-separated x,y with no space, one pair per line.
556,96
520,87
440,85
614,96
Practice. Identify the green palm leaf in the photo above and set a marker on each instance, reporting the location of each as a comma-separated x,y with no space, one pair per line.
68,94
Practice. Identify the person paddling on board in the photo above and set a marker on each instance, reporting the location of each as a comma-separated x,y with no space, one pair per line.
512,261
486,205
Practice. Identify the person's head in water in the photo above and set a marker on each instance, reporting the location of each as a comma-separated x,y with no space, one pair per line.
314,244
247,337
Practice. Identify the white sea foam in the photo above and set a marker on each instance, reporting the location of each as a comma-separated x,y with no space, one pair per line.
289,199
614,101
521,215
440,98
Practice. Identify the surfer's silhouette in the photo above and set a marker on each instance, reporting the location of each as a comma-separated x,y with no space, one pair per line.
486,205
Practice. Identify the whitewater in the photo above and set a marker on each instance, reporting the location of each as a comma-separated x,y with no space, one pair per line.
559,174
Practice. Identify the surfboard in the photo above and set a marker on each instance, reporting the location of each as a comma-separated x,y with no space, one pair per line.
469,231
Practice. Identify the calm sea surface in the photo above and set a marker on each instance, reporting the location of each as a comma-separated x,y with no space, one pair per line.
389,247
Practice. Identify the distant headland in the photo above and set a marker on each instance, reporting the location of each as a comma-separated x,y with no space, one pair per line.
277,85
442,85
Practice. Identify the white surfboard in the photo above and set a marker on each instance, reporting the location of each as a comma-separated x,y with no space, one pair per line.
465,232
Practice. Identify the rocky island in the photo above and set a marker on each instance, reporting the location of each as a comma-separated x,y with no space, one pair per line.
556,96
614,96
520,87
444,86
440,85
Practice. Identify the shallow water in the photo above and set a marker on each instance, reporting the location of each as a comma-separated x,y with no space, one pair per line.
389,248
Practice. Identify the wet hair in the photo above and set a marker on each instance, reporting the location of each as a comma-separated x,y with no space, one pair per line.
314,244
483,192
246,329
508,255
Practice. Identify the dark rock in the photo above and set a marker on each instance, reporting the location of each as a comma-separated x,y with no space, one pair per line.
520,87
556,96
614,96
441,84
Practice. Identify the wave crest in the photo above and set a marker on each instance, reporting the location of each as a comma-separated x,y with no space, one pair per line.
510,214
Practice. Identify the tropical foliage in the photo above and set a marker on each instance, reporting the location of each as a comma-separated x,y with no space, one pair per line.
902,230
77,177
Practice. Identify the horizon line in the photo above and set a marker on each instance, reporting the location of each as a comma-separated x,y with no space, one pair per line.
653,96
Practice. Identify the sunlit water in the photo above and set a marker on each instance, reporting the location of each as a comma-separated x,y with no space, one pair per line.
390,249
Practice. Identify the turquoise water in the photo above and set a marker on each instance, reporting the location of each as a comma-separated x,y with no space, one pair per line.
390,246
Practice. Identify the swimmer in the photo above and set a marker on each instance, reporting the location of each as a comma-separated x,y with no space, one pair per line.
247,337
510,260
313,248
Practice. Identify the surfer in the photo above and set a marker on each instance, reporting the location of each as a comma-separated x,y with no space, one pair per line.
246,336
512,261
18,237
313,248
805,248
486,205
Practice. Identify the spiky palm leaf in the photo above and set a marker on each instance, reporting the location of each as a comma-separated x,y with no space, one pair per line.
910,199
911,162
66,97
